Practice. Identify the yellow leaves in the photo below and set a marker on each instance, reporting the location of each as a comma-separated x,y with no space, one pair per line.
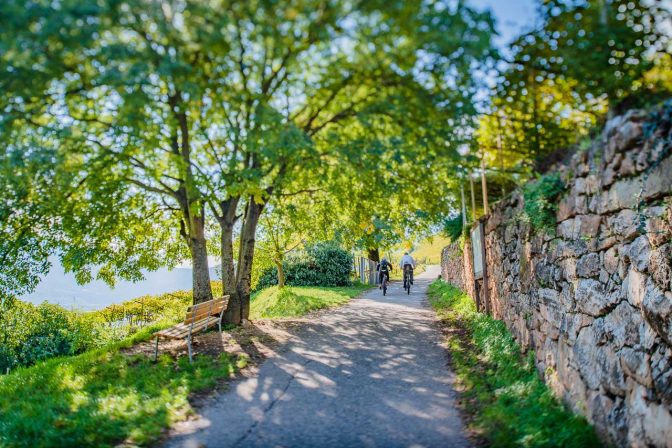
291,13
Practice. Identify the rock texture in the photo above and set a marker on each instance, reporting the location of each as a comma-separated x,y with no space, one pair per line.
594,300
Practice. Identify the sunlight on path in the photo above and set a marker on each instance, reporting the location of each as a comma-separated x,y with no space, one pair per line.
371,374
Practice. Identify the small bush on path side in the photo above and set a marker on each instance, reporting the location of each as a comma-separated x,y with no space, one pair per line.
510,404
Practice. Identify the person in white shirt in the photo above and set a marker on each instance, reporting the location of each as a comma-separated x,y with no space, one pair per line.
407,260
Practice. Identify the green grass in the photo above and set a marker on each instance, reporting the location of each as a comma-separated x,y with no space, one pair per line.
293,301
103,397
429,250
511,405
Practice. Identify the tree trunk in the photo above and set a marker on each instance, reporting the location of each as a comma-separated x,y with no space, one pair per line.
227,221
199,259
246,255
281,273
374,254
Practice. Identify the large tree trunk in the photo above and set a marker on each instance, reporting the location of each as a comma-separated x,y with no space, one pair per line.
246,255
374,254
227,221
199,259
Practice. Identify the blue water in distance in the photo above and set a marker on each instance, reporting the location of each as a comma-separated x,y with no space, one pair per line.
62,289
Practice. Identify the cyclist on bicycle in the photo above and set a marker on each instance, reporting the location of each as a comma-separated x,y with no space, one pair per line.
384,268
407,260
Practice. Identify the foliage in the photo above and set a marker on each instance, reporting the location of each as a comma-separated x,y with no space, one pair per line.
453,227
541,201
168,116
512,405
30,333
294,301
103,397
322,264
586,59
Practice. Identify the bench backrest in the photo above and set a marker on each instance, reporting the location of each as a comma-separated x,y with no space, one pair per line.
202,310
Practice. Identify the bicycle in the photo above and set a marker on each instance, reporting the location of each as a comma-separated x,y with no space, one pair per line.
384,283
408,271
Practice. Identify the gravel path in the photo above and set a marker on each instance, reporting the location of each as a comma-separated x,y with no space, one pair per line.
369,374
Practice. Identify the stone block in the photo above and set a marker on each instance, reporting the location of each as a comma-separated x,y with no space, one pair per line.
635,285
642,161
611,260
659,181
627,167
599,365
588,265
592,184
624,224
635,363
589,225
660,266
608,176
659,229
650,422
592,299
624,136
657,308
568,229
609,415
640,253
622,325
568,268
661,372
623,194
571,324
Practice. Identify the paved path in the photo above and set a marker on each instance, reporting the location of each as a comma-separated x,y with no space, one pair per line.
369,374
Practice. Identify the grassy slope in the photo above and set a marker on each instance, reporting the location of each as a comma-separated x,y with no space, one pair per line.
511,404
430,249
294,301
103,397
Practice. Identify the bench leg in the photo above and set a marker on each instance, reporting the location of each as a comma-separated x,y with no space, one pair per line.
189,348
156,349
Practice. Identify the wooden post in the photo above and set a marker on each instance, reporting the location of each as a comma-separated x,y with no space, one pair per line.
484,183
486,300
464,206
473,198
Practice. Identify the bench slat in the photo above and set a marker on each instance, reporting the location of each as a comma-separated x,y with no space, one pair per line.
207,304
181,331
203,313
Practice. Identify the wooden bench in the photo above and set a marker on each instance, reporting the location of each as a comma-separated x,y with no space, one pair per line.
199,317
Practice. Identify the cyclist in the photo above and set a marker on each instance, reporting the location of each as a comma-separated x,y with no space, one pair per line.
407,260
384,268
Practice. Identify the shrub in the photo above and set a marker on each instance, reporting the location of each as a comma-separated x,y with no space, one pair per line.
322,264
453,228
541,201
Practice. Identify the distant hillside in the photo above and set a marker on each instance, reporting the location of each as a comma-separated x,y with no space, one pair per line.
429,250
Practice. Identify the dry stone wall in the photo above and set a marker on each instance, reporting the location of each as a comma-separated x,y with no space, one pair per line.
594,299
